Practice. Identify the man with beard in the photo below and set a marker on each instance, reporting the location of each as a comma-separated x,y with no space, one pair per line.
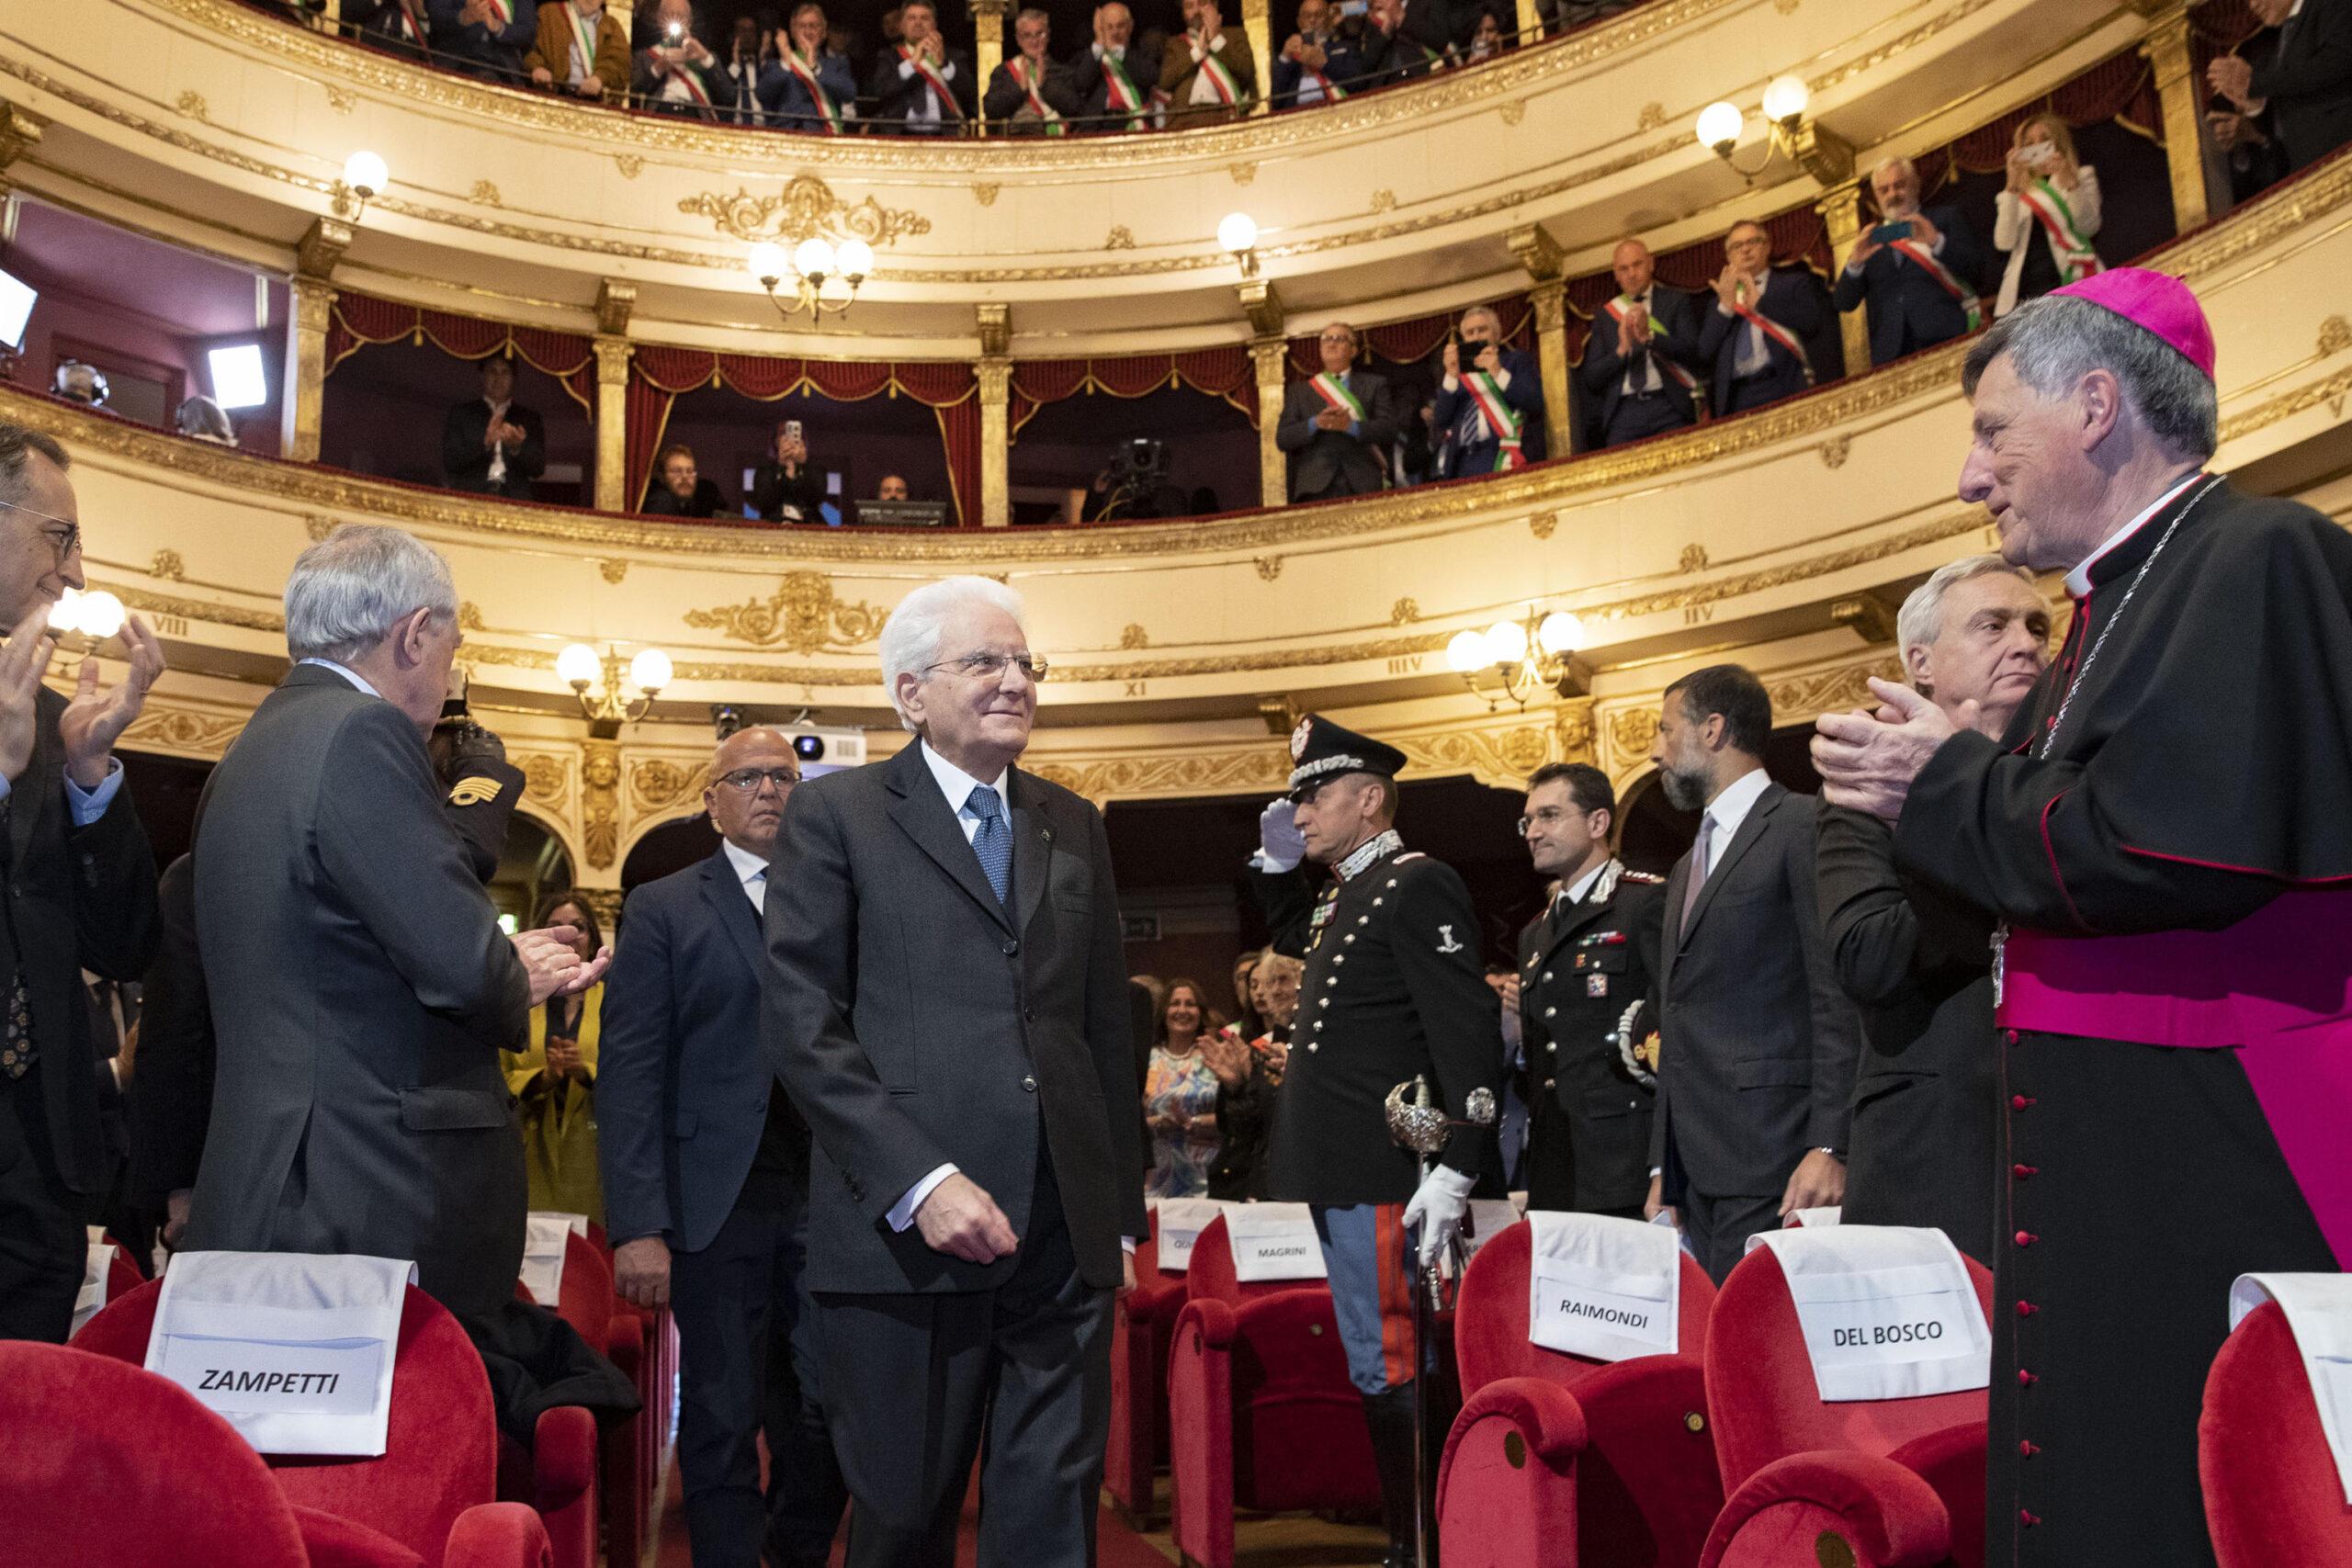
1757,1044
1921,285
1916,962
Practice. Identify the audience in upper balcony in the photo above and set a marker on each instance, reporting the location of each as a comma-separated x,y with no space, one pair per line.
1487,39
892,488
1559,16
491,444
676,73
1636,363
748,48
805,82
1490,403
1206,72
1321,63
2296,78
484,37
203,418
580,46
1920,285
1764,317
1032,91
1337,425
789,488
405,27
2046,217
921,84
679,490
1395,50
1115,72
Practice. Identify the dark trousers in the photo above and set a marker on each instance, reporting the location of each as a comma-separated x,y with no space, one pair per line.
1781,380
747,1366
916,1385
1718,1228
1646,414
41,1244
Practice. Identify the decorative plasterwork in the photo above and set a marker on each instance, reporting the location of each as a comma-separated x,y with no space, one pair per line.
806,208
801,616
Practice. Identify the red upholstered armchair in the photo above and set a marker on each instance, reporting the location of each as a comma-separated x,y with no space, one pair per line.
430,1494
625,1484
653,1368
1556,1460
2272,1495
1900,1480
1261,1413
1143,1325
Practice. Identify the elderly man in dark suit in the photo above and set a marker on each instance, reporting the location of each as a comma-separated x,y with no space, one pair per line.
946,1001
360,984
921,84
1759,337
1337,425
705,1169
493,443
1757,1044
1920,286
1032,90
2302,82
1489,399
1117,71
81,886
1636,361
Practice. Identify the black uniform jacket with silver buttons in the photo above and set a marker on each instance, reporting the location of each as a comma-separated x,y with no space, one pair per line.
1579,970
1393,987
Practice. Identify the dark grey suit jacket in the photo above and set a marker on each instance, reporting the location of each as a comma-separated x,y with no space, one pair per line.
361,990
916,1022
1331,462
1757,1044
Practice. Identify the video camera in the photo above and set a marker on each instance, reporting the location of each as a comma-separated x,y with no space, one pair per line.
1134,482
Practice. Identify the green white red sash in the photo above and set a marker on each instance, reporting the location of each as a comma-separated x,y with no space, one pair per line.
410,13
1621,307
1333,390
1945,279
1770,329
505,12
686,77
1119,88
1502,420
1031,78
805,72
1332,91
1221,80
2076,258
583,37
938,84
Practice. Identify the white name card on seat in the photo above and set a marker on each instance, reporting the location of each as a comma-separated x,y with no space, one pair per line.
97,1262
1271,1242
293,1349
1181,1220
1888,1311
1825,1215
1603,1288
2319,1312
545,1242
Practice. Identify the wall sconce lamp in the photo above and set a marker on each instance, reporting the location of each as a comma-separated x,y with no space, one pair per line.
1237,236
813,263
1825,156
579,666
1511,660
364,179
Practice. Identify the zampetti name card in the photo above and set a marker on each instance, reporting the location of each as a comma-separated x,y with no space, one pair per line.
1888,1311
1607,1289
546,1238
293,1349
1181,1220
1271,1242
2319,1314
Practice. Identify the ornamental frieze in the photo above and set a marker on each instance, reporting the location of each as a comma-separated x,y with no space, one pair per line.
802,614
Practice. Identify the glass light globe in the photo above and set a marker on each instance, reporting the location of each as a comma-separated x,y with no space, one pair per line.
577,665
66,615
1467,652
102,615
1719,127
768,262
856,259
1560,633
650,670
1506,643
365,172
1237,232
813,258
1785,99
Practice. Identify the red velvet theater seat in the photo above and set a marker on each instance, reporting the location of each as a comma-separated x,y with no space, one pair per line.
1261,1413
1143,1325
625,1479
1900,1482
432,1489
2272,1495
653,1366
1556,1460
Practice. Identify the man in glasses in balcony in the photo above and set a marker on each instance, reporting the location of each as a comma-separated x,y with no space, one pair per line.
1761,335
1490,402
946,1002
676,73
706,1170
921,84
1337,425
1322,62
1033,91
80,885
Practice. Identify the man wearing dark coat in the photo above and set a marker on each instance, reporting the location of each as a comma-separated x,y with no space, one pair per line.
1032,91
1636,363
1489,401
921,84
493,443
1336,425
1920,287
1766,320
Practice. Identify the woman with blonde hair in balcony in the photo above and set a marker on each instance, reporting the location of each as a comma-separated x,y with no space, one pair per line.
2046,217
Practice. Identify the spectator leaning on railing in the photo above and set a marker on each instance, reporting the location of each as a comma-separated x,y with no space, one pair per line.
805,84
484,37
677,74
1033,91
1395,51
405,27
1206,72
581,48
679,490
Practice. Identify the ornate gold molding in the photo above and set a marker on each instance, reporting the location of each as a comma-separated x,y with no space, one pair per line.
182,732
802,614
600,774
805,208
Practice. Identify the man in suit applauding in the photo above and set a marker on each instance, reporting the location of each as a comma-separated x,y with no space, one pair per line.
1033,90
1490,402
1337,426
2302,80
705,1168
360,984
493,443
1757,1044
1920,286
1634,363
1116,71
946,1001
1758,336
923,86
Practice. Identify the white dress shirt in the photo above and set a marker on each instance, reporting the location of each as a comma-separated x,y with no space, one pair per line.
1755,357
1727,811
750,870
2078,581
1648,380
348,673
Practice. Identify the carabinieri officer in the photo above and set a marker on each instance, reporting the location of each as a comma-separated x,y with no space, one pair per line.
1394,989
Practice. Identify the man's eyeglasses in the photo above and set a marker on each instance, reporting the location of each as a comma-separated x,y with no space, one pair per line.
65,543
990,666
747,780
1549,816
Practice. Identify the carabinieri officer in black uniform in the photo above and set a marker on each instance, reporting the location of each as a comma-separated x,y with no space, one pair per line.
1587,971
1394,989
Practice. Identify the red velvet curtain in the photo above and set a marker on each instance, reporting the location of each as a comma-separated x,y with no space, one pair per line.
1223,373
359,319
659,374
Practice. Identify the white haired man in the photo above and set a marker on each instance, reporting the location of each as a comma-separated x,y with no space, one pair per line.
1916,962
1489,405
1917,268
2161,831
946,1002
359,981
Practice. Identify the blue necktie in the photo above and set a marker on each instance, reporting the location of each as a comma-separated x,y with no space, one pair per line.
993,842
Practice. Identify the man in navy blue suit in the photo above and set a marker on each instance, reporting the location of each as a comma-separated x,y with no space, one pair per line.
705,1168
1635,363
1921,287
1760,336
1490,402
484,37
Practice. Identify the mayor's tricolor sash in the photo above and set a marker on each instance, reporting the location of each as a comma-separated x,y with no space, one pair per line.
1620,309
1770,329
1333,390
583,37
505,11
686,77
2076,258
1501,419
1031,78
1945,280
1221,80
1332,92
412,16
938,84
1120,89
805,72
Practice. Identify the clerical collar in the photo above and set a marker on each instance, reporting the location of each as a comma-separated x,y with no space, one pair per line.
2078,581
1364,855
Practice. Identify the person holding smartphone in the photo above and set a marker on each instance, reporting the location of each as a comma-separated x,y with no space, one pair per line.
1916,269
2046,217
789,489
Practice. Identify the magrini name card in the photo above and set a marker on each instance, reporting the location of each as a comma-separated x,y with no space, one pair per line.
1273,1242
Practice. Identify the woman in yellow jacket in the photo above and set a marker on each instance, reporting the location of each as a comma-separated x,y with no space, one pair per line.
556,1081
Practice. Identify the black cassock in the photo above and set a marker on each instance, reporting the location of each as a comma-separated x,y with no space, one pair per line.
2173,1013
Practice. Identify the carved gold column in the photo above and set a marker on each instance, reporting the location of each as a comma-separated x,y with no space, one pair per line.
1542,256
994,370
1841,212
20,131
988,47
2165,48
1530,22
311,302
1271,356
1258,26
613,355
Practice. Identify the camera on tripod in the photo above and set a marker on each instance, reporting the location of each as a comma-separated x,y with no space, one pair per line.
1134,482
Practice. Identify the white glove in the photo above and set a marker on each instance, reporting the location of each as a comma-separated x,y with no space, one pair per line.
1438,1209
1281,846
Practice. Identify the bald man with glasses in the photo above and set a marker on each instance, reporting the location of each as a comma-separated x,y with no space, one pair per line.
1338,424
